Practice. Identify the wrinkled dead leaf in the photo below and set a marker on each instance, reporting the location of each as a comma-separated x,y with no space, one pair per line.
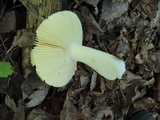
112,10
31,83
103,113
23,39
70,112
91,2
38,114
146,69
129,76
149,7
133,91
31,8
38,96
102,88
84,80
146,103
10,103
122,49
138,59
156,60
20,113
78,3
8,22
93,81
89,21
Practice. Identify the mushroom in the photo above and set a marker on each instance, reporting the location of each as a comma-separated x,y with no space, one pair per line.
59,47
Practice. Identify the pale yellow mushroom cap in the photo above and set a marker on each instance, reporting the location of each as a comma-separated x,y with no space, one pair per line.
59,47
50,56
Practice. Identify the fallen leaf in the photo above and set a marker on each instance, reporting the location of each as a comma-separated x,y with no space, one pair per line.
145,103
31,8
112,10
129,76
8,22
70,112
84,80
155,58
138,59
92,2
23,39
10,103
103,113
93,81
20,112
89,21
149,7
78,3
38,114
102,88
38,96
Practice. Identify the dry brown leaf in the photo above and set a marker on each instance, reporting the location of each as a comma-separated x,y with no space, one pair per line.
84,80
155,58
23,39
20,113
149,83
112,10
92,2
81,72
150,7
134,92
93,81
138,59
146,103
122,49
31,8
78,3
110,84
8,22
103,112
38,114
31,83
144,51
38,96
102,87
89,21
129,76
10,103
146,69
69,111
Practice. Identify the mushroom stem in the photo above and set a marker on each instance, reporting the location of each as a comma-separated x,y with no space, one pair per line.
105,64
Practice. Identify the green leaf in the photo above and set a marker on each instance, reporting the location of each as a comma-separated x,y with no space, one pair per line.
5,69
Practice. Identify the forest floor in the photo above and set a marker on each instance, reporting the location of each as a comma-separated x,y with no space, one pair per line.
127,29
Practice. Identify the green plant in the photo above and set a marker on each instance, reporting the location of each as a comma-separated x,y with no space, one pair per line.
5,69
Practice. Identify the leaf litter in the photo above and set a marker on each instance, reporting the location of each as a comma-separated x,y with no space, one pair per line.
127,29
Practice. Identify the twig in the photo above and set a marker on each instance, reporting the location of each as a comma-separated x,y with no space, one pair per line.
6,50
121,91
